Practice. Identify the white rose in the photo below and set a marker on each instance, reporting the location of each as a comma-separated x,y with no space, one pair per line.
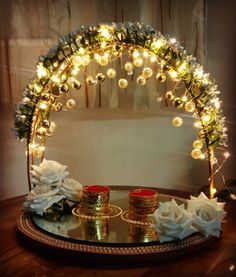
173,221
207,213
48,173
72,189
41,198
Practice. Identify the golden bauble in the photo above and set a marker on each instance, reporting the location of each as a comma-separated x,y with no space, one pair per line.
103,61
122,83
111,73
161,77
189,107
90,80
70,103
138,61
147,72
177,121
77,60
63,88
196,153
141,81
198,144
100,77
129,66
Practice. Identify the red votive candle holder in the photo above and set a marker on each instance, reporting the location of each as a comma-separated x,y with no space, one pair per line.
142,202
95,200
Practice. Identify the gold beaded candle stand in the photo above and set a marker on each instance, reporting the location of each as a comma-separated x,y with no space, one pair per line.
95,200
142,202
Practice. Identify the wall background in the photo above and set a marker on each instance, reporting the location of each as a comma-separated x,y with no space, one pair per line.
115,146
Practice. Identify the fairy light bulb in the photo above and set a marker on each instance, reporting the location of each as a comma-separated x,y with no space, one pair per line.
135,54
206,118
197,124
42,72
75,71
153,59
177,121
128,66
196,153
55,79
43,106
111,73
173,40
147,72
173,74
189,107
138,62
156,44
104,31
226,155
70,103
85,60
198,144
122,83
77,60
141,81
53,126
145,54
203,156
184,98
103,44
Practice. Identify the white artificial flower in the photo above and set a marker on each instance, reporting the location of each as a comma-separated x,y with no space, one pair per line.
41,198
72,189
207,213
48,173
173,221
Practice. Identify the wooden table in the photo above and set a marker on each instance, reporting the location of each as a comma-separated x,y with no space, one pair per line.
21,258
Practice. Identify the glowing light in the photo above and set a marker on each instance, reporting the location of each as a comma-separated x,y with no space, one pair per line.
43,106
198,73
85,60
77,60
173,40
145,54
213,191
206,118
55,79
182,67
97,57
197,124
42,72
158,43
153,59
202,156
173,74
184,98
75,71
103,44
81,50
104,31
226,155
135,54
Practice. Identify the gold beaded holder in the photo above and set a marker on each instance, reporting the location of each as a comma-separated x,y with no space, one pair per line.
95,200
142,202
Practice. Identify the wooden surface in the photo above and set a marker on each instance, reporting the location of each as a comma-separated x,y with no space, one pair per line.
21,258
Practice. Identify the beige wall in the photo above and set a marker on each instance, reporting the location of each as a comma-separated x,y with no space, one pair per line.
114,146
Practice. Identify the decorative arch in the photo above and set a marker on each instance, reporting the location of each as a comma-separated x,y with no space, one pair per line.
56,73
